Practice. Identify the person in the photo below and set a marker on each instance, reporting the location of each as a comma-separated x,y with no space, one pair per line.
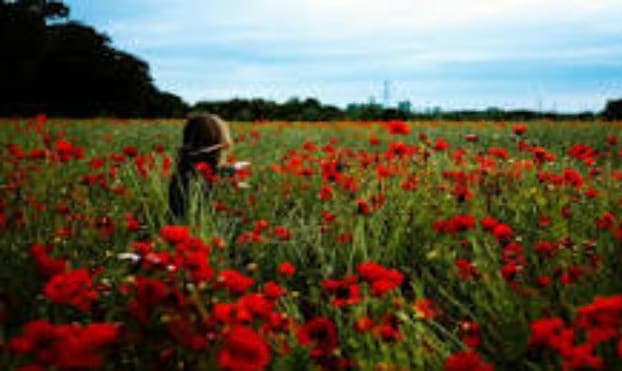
206,139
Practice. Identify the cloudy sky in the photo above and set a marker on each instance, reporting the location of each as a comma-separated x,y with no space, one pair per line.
555,54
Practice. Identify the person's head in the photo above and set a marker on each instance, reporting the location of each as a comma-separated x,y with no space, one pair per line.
206,138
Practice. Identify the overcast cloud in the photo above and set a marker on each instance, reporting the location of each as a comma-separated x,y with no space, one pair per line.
557,54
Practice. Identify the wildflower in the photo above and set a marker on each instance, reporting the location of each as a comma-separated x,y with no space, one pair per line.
466,269
466,361
606,221
273,290
66,346
321,334
150,292
243,350
397,127
602,319
519,129
441,145
469,333
282,233
426,308
235,281
286,269
489,223
345,292
47,266
363,324
74,288
382,279
543,331
175,233
573,178
502,232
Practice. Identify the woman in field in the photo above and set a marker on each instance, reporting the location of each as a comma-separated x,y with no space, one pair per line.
206,139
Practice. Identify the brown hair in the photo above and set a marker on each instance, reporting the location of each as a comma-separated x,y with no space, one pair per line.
206,138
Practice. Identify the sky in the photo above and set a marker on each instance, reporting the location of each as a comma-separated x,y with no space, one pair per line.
562,55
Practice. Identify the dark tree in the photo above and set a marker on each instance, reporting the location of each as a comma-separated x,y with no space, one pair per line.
70,69
613,110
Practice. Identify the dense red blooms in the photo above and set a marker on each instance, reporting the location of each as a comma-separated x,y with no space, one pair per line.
273,290
344,292
67,151
235,281
489,223
286,269
243,350
455,224
72,288
533,225
466,269
398,127
282,233
469,334
46,264
175,233
502,232
441,145
573,178
320,334
602,319
426,308
519,129
382,279
466,361
67,347
363,324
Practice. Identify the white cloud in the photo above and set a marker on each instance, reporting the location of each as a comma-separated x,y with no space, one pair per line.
341,50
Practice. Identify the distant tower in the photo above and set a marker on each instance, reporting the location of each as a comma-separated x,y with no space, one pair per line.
387,93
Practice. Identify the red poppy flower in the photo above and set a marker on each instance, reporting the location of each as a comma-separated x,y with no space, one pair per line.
466,269
243,350
344,292
235,281
321,334
602,319
273,290
519,129
73,288
363,324
47,265
466,361
469,334
489,223
286,269
398,127
441,145
502,232
175,233
426,308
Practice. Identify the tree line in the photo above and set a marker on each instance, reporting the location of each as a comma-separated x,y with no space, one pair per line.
65,68
311,109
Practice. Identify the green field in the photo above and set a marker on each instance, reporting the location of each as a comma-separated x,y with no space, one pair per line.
421,245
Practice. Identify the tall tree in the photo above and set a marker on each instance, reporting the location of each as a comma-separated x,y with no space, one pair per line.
68,68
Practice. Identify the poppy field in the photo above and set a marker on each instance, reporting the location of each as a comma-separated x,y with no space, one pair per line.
349,245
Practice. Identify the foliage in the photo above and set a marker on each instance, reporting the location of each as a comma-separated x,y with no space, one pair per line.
66,68
613,110
310,109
